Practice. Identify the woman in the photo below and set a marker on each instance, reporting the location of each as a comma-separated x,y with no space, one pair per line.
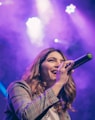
45,92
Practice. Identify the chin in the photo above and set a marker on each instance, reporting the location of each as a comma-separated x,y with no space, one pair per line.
53,80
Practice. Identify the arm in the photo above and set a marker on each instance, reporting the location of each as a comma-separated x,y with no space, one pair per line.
24,106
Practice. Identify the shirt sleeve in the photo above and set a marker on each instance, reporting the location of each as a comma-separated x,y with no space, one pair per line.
24,106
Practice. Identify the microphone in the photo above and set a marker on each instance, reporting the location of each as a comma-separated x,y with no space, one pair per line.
81,60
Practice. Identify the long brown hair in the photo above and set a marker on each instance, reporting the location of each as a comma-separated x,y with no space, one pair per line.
32,77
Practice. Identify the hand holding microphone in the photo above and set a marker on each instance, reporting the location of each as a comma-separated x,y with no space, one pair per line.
65,69
67,66
62,73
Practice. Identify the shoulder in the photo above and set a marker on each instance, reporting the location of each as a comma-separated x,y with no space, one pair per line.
17,85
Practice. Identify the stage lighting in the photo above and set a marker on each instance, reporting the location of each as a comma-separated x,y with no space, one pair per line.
1,3
3,89
70,9
35,30
56,40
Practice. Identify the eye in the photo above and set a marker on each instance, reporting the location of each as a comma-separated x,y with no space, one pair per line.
51,60
62,61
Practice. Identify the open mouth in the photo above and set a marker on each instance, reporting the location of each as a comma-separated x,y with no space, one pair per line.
54,72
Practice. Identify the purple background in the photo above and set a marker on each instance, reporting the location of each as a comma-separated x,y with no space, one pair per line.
77,35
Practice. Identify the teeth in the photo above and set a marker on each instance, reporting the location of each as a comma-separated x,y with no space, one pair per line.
54,72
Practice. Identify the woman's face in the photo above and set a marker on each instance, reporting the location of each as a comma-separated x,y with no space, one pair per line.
50,66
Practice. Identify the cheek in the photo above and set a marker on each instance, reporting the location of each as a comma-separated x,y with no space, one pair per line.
45,68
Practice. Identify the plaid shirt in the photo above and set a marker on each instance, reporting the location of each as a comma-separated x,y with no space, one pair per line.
22,106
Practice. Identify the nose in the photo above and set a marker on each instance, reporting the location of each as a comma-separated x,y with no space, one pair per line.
57,64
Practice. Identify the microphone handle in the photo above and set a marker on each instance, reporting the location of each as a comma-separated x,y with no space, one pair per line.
81,60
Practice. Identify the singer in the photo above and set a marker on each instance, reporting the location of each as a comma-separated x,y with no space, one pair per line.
45,92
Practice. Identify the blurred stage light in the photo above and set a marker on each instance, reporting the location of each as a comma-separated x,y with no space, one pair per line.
3,89
1,3
43,5
56,40
35,30
64,43
70,9
6,2
45,10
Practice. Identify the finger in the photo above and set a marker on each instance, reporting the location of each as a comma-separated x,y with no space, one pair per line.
63,65
60,66
69,65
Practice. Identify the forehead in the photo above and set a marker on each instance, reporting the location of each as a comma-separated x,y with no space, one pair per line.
55,54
